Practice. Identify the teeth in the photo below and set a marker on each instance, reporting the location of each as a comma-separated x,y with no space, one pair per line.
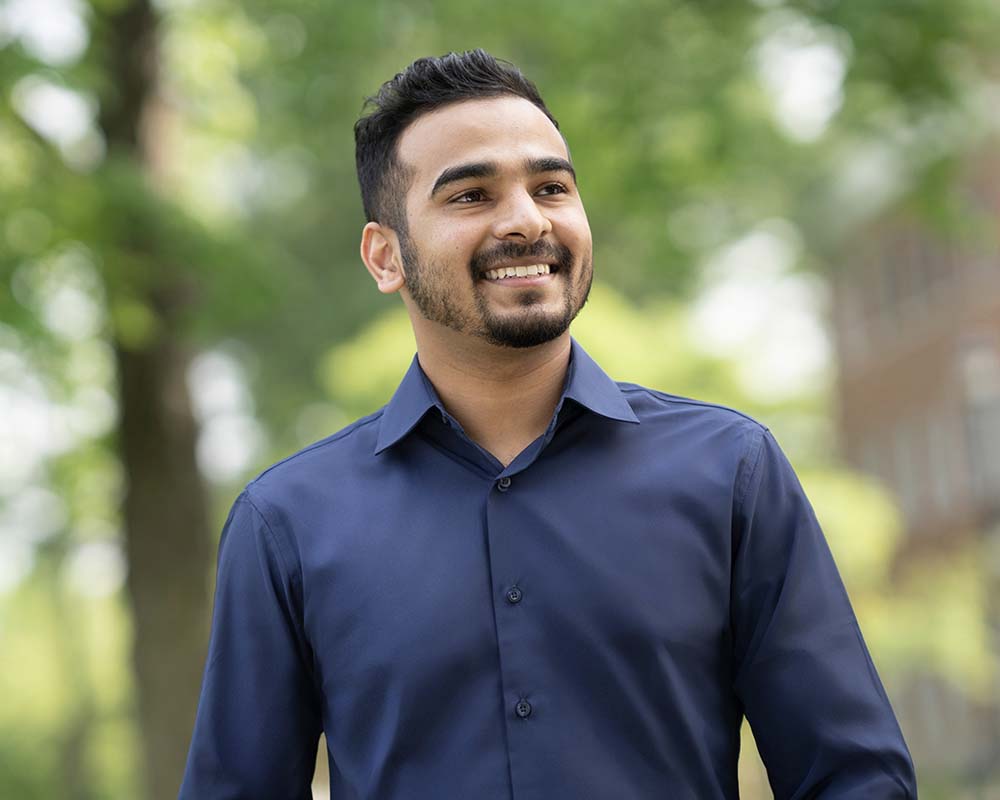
518,272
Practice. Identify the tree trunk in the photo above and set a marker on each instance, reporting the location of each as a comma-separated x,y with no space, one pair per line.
165,514
167,547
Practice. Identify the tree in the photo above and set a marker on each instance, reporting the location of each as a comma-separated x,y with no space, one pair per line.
211,196
165,512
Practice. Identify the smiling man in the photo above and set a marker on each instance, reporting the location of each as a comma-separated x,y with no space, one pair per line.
519,578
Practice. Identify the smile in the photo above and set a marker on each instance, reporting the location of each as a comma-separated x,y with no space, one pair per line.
518,272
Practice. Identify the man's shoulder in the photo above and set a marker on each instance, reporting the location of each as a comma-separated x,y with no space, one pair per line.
701,431
655,406
325,460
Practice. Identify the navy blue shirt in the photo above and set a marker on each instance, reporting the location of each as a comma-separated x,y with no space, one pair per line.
591,622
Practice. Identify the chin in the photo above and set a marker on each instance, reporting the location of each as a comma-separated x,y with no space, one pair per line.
520,335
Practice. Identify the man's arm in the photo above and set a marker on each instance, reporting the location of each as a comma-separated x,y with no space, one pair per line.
818,711
258,720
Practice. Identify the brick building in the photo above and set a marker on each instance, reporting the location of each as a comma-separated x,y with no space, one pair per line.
917,330
916,323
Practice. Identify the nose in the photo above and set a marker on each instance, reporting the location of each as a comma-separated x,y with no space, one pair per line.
520,218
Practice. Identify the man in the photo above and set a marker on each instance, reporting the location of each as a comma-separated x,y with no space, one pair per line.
520,579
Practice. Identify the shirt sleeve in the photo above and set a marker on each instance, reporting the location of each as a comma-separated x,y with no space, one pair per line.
819,714
258,721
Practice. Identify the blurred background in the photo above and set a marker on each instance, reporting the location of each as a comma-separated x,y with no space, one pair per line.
794,207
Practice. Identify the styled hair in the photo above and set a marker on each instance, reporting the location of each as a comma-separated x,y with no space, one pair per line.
427,84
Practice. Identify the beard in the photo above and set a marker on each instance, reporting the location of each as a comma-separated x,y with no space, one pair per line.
531,325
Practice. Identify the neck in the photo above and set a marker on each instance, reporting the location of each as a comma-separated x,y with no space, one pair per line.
503,397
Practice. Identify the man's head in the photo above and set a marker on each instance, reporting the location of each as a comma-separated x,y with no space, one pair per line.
427,84
463,171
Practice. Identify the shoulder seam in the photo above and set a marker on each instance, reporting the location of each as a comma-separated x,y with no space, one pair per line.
756,451
672,398
293,583
275,539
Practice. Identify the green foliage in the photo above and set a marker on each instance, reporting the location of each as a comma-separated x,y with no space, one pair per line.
244,226
66,682
932,616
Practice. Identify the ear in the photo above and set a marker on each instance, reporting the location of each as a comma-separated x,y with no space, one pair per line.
380,252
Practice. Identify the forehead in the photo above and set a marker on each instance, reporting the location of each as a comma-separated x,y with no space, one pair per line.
506,130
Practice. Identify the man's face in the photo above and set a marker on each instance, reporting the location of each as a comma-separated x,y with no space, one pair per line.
492,189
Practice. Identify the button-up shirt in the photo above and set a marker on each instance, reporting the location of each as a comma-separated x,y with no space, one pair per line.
590,622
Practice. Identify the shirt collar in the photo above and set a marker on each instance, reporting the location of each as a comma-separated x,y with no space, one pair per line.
586,383
413,398
590,386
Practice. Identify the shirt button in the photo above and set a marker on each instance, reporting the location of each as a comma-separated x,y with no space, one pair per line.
503,484
523,708
514,595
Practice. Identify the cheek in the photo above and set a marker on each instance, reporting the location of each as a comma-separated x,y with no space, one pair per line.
572,228
453,243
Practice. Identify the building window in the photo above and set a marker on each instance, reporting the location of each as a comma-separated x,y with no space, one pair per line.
889,289
942,466
906,458
980,370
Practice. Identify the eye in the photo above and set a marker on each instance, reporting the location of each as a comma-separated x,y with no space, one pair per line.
471,196
552,188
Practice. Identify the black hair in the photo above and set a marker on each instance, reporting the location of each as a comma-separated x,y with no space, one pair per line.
427,84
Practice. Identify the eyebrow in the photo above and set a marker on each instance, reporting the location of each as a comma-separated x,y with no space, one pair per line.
490,169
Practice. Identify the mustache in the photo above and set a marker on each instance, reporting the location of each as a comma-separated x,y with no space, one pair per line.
543,251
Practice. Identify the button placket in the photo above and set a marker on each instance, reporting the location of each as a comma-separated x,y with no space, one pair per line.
517,632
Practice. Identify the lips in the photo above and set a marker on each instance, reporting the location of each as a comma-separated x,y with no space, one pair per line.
518,271
511,254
